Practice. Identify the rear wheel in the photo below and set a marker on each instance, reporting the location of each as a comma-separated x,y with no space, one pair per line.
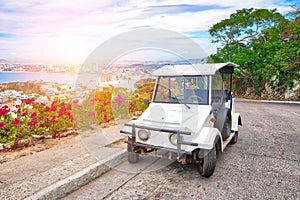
226,128
207,165
132,156
235,138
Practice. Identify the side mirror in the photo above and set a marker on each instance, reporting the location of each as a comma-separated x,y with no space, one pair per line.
146,101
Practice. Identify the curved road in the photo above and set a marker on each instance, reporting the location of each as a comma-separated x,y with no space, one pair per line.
264,164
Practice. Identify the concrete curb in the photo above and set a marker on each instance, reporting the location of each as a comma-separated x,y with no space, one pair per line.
63,187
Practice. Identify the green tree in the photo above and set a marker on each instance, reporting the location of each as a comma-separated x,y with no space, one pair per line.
252,39
244,25
287,58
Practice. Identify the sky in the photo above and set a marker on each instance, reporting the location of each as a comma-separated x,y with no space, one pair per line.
67,31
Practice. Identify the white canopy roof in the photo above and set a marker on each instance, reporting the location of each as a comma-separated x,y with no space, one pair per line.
193,69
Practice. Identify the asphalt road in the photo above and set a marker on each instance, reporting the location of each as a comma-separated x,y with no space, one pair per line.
263,164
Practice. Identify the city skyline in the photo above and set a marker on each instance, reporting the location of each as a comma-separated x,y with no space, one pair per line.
66,32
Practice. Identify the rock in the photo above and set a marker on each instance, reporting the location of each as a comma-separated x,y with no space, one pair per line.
289,94
249,91
292,92
39,137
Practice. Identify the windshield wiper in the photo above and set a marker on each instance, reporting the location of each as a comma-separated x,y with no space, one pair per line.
187,105
179,101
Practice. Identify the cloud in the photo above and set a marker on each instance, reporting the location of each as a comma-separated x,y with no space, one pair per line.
178,9
64,31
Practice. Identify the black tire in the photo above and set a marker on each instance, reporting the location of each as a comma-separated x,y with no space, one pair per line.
132,156
226,128
235,138
207,165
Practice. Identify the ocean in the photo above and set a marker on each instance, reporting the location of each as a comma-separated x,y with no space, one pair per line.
6,77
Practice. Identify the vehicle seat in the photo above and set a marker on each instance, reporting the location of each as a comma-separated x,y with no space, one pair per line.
203,94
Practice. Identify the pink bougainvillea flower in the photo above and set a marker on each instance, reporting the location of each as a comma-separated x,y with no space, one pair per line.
28,101
106,103
15,121
23,114
33,115
69,107
48,109
53,108
2,125
91,114
4,110
32,123
71,117
75,126
75,101
52,118
119,99
62,111
131,103
54,102
18,106
42,125
93,100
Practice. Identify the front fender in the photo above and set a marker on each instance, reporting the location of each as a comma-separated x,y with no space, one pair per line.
206,139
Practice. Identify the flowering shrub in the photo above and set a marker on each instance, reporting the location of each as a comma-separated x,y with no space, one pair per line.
84,113
56,118
32,118
137,98
6,125
120,103
95,109
111,103
103,107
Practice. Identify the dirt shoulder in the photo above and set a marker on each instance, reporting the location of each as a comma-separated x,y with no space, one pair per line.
33,146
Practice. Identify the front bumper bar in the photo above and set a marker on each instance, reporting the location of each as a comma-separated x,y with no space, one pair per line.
179,133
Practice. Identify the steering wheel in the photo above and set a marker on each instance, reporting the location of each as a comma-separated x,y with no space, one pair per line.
195,97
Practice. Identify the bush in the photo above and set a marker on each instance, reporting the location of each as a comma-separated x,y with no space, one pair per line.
137,98
32,118
120,103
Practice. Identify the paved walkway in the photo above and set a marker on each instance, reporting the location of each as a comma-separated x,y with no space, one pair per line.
27,176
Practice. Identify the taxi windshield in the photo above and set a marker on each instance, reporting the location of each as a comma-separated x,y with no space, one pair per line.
185,90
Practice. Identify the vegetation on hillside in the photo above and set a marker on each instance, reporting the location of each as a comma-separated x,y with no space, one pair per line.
104,106
29,87
266,46
31,118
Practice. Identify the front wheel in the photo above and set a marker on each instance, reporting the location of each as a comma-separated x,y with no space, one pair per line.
132,156
207,165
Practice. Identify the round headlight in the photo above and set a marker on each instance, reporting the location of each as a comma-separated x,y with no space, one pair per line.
143,134
173,138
